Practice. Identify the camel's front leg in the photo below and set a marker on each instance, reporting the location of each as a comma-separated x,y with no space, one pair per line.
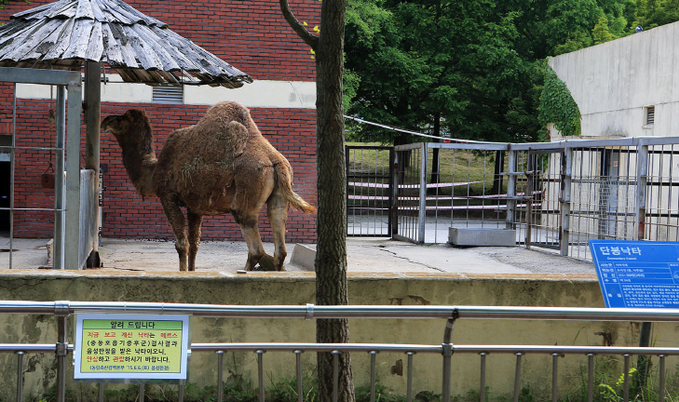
176,218
195,221
277,212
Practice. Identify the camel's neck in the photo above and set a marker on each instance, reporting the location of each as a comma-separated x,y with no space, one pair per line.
140,161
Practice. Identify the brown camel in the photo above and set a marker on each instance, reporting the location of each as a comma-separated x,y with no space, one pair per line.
222,164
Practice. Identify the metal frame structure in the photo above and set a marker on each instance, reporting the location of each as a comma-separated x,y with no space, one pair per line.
67,170
557,194
451,314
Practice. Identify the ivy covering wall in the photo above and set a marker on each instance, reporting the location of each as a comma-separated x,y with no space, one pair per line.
557,105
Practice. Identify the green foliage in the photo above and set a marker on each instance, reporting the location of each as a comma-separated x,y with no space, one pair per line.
468,69
557,105
601,33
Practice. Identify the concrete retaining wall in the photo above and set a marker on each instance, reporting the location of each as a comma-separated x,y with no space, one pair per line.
298,289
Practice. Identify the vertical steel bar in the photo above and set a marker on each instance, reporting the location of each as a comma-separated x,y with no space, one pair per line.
220,375
100,392
447,353
20,375
661,379
625,386
335,375
59,188
298,367
62,351
391,213
142,391
180,395
423,195
565,200
590,377
555,376
409,379
394,204
482,390
12,171
373,375
642,172
260,374
517,377
511,187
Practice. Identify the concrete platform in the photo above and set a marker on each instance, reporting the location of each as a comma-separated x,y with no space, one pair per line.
364,255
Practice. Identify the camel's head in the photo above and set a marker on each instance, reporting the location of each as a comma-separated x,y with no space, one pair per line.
132,124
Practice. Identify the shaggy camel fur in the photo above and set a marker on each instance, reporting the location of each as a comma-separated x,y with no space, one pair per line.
222,164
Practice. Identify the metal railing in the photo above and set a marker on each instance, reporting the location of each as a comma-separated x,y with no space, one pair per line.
63,309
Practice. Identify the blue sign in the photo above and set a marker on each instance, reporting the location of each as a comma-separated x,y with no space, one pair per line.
642,274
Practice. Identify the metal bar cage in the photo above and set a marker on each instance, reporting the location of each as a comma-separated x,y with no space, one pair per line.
555,195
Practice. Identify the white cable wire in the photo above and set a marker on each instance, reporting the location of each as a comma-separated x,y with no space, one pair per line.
410,132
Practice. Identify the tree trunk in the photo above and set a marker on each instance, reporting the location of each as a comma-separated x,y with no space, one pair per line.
331,250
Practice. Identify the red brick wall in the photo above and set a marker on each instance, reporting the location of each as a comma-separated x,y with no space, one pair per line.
252,36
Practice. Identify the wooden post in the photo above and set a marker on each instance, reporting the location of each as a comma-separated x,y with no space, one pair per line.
92,146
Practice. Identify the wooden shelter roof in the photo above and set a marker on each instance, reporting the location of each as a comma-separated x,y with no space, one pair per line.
63,34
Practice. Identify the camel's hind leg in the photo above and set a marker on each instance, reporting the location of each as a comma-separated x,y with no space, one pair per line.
277,212
250,231
195,220
253,187
176,218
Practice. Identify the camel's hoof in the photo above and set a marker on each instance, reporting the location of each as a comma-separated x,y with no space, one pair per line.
266,264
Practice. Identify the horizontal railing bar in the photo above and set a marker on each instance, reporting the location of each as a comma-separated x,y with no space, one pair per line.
584,350
405,348
385,347
316,347
311,311
33,347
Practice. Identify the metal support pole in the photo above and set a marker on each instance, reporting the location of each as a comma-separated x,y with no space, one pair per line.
511,187
555,376
409,380
335,375
59,188
642,178
260,374
590,377
298,368
423,194
141,392
72,230
517,378
625,376
62,352
482,390
565,200
20,375
661,380
448,356
373,375
100,397
220,375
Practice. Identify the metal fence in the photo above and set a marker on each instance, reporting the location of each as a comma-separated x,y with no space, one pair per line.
447,349
556,195
369,190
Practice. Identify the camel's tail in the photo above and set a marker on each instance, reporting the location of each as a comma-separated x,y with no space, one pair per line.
284,176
